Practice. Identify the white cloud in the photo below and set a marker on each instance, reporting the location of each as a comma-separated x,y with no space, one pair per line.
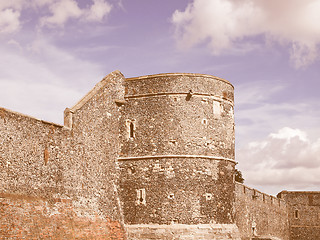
64,10
16,4
287,159
61,11
98,10
288,134
9,21
224,24
261,108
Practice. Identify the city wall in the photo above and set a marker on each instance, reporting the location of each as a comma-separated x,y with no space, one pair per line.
304,214
143,158
260,214
60,181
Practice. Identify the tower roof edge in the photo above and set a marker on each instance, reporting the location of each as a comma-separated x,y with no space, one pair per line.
177,75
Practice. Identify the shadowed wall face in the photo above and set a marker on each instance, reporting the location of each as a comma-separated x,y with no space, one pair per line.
177,150
304,214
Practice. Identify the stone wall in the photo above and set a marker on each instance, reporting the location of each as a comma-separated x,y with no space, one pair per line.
28,217
63,178
180,114
183,232
304,214
177,190
266,214
177,152
153,155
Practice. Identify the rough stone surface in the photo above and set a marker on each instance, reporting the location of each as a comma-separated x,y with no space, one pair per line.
304,214
183,232
259,214
141,158
186,191
25,217
44,162
180,156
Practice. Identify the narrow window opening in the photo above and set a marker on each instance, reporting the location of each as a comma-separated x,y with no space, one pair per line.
131,131
141,196
130,128
296,214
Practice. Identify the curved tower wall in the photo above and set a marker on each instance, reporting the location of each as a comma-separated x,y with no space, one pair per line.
177,153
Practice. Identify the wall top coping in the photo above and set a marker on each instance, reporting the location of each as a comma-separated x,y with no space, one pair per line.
177,75
299,192
94,90
29,117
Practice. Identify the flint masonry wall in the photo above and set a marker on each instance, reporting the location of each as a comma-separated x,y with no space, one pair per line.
153,155
304,214
177,153
60,182
267,214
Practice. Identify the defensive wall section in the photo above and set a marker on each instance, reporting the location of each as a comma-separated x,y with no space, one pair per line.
150,157
260,214
304,214
59,182
177,156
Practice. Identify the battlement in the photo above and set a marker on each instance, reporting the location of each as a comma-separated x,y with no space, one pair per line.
265,213
256,195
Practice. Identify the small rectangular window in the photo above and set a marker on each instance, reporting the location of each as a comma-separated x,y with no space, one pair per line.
131,130
131,127
141,196
296,214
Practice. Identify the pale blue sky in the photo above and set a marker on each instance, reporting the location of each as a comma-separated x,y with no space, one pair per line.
54,51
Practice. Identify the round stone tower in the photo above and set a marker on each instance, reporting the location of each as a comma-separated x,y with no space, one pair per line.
177,154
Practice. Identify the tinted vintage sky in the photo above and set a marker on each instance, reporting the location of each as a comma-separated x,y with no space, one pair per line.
54,51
